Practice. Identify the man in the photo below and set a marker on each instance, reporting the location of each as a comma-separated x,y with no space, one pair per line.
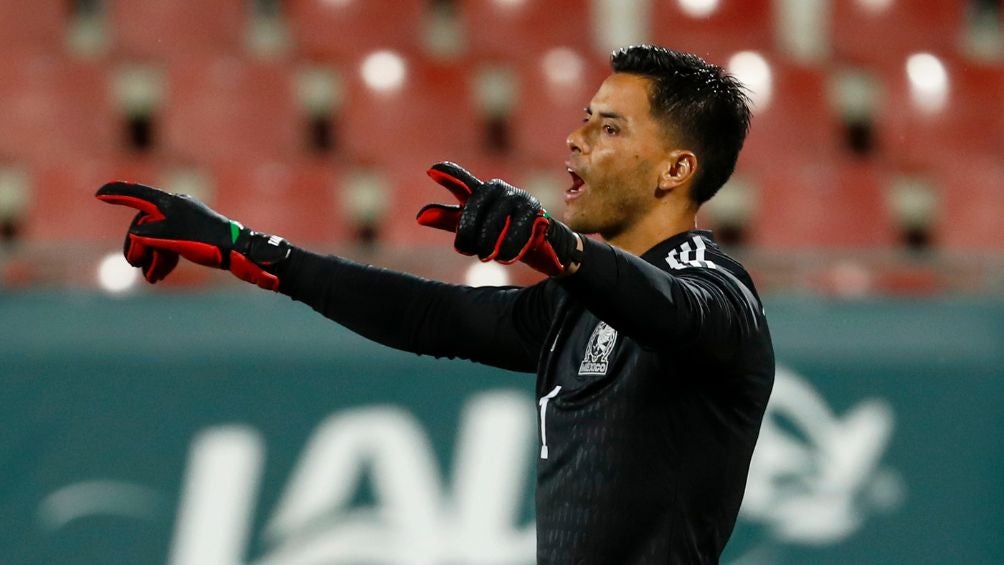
653,358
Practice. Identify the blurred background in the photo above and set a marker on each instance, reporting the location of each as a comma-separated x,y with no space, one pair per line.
202,421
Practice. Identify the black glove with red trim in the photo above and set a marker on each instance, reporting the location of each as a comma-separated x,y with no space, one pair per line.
499,222
172,225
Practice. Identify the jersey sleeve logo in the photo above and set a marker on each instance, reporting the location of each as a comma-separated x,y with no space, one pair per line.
601,344
688,255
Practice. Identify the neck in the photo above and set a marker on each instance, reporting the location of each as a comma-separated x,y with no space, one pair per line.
652,230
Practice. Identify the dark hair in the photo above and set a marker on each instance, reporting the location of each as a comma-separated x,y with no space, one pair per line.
698,101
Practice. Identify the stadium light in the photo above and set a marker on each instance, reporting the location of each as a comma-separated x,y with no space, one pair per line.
384,71
928,82
755,73
563,67
698,8
509,4
115,275
875,6
486,274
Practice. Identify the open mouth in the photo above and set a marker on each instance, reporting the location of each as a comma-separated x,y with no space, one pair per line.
577,184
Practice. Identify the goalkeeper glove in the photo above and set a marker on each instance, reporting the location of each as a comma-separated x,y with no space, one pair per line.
172,225
497,221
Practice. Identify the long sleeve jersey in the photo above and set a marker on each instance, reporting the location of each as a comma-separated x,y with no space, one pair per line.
653,374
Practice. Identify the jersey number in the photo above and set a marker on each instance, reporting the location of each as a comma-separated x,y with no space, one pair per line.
543,420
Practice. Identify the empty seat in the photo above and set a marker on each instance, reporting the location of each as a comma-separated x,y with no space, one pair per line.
971,192
732,26
816,203
62,204
553,90
882,32
796,122
430,116
28,26
226,109
55,109
342,30
965,125
158,30
507,30
299,200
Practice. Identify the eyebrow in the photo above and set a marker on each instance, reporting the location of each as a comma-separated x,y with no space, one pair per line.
611,115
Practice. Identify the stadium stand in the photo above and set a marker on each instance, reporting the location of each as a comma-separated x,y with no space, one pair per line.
522,30
342,30
155,30
62,194
54,109
883,33
296,198
819,203
912,136
227,108
32,27
730,26
429,114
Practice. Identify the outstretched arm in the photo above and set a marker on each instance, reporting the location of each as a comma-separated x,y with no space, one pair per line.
503,327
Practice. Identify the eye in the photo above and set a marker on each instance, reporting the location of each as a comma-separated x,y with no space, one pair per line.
609,129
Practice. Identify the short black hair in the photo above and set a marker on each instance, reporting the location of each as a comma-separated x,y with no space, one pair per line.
696,100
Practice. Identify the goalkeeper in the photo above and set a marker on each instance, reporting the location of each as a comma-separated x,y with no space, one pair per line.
653,358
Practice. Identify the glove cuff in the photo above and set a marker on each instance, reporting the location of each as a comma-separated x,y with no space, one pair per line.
264,250
565,244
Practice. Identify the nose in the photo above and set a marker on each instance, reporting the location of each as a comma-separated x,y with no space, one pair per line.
576,141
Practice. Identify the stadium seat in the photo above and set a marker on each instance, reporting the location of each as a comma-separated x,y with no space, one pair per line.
884,32
734,25
62,204
298,200
972,199
32,27
342,30
432,116
226,109
523,30
155,30
969,125
796,123
55,109
818,203
553,90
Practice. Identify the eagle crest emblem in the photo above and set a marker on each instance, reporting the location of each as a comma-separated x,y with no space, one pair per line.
601,344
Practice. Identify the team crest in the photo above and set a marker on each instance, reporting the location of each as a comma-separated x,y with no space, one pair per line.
601,344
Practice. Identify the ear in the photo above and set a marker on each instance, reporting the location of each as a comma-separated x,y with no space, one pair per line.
678,169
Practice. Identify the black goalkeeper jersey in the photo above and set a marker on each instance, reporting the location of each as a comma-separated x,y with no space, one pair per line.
653,375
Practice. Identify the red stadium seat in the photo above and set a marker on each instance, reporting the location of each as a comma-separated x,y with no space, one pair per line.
431,117
298,200
27,26
550,103
159,30
883,35
967,127
972,198
796,123
523,30
342,30
226,109
814,203
735,25
55,109
63,207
